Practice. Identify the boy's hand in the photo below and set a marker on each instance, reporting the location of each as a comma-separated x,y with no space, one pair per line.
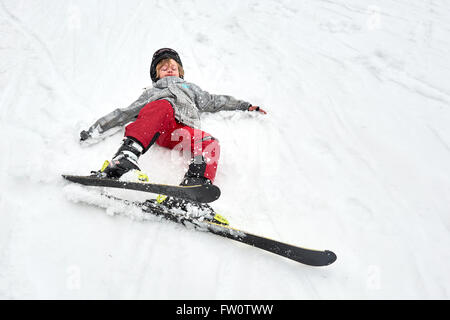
84,135
256,108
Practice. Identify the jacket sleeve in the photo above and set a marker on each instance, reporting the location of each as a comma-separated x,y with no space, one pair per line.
120,116
207,102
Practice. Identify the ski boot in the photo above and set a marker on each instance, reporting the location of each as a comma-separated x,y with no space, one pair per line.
197,210
123,161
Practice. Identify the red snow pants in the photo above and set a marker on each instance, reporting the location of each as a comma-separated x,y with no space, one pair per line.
156,123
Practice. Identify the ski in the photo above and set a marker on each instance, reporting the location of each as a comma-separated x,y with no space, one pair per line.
198,193
305,256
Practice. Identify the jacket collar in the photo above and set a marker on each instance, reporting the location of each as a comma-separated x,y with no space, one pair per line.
166,82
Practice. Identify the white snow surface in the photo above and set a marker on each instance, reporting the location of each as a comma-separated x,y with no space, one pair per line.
353,155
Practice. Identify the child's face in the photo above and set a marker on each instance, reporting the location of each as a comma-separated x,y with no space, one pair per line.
169,69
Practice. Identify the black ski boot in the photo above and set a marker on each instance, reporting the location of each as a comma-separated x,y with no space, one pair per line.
201,211
124,160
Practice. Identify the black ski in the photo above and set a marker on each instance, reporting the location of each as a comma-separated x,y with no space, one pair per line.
199,193
306,256
303,255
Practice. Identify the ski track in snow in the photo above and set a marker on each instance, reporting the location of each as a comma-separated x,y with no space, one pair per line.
353,155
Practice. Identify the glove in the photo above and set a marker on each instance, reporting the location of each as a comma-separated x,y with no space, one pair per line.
256,108
84,135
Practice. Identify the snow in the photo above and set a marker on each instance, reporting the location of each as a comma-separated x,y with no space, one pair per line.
353,155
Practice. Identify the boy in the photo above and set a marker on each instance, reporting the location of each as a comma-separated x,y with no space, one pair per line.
164,113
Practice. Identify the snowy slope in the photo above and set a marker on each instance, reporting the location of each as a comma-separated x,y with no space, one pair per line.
354,155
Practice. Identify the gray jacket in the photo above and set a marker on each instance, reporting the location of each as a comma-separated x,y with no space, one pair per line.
187,100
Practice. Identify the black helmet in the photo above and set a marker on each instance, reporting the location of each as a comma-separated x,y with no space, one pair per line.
162,54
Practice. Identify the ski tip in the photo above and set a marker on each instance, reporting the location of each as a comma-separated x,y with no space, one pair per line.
212,193
216,192
331,256
69,177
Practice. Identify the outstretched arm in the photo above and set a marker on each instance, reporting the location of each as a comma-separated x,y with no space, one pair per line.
118,117
207,102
